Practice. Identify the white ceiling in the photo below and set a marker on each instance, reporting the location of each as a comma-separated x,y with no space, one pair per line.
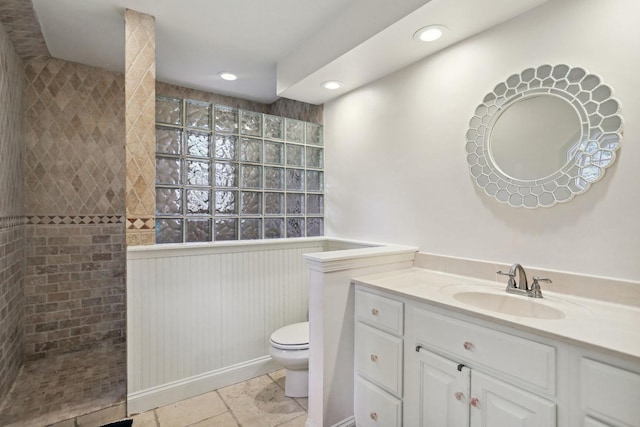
278,48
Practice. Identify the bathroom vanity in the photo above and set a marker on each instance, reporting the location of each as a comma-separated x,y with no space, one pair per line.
435,349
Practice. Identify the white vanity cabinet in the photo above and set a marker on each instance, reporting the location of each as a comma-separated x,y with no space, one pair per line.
418,368
438,394
378,351
462,374
450,394
424,363
609,393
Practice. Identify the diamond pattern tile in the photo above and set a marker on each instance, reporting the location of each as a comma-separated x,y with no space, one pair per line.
74,132
140,98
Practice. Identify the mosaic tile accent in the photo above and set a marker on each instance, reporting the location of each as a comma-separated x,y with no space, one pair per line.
140,98
20,22
12,221
11,213
78,219
74,136
140,223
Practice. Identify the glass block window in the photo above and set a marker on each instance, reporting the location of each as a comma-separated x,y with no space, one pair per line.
228,174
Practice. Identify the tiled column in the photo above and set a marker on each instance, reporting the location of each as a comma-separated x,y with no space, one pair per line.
140,96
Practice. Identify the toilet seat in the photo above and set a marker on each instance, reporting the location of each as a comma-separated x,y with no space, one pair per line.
291,337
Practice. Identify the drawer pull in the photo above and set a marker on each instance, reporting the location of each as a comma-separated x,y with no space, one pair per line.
475,402
468,345
374,358
459,395
374,311
374,416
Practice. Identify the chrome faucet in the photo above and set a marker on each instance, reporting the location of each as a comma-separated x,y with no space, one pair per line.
521,287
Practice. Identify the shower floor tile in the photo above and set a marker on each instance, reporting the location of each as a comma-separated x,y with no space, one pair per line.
65,386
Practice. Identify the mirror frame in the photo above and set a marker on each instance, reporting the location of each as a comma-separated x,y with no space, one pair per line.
601,135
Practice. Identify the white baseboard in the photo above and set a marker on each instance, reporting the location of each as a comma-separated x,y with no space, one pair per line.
176,391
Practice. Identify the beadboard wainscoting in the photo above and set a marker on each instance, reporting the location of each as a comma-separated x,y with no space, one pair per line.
199,316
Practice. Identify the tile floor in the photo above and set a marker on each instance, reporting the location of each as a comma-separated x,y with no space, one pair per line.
259,402
87,389
65,386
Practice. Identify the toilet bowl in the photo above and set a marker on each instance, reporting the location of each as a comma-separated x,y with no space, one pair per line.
290,348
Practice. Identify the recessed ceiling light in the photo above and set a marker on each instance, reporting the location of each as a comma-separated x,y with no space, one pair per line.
332,85
228,76
429,33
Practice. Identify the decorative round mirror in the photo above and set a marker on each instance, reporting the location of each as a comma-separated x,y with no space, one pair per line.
543,136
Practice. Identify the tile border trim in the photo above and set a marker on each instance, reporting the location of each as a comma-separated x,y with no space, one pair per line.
141,223
12,221
74,219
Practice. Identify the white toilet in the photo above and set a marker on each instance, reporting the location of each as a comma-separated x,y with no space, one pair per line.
290,348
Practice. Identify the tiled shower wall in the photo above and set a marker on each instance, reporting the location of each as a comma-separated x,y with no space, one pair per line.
74,194
75,251
140,98
11,212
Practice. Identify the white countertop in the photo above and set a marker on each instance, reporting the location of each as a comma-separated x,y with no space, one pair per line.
606,326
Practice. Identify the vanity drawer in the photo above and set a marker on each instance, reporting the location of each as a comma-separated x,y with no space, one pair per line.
374,407
526,360
380,312
378,357
610,393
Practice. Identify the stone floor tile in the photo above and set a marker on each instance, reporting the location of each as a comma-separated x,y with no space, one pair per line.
103,416
146,419
191,411
296,422
280,378
224,420
260,402
304,402
66,423
84,390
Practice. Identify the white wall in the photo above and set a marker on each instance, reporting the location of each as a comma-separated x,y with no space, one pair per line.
396,167
199,316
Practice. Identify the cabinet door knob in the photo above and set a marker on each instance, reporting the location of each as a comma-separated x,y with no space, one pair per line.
475,402
374,311
374,358
459,395
468,345
374,416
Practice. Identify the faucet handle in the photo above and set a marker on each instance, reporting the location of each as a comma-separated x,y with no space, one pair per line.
512,275
511,283
535,291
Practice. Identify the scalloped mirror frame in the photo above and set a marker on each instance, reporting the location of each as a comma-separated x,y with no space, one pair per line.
601,135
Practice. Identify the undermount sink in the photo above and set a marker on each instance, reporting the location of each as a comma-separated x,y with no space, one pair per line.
509,304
